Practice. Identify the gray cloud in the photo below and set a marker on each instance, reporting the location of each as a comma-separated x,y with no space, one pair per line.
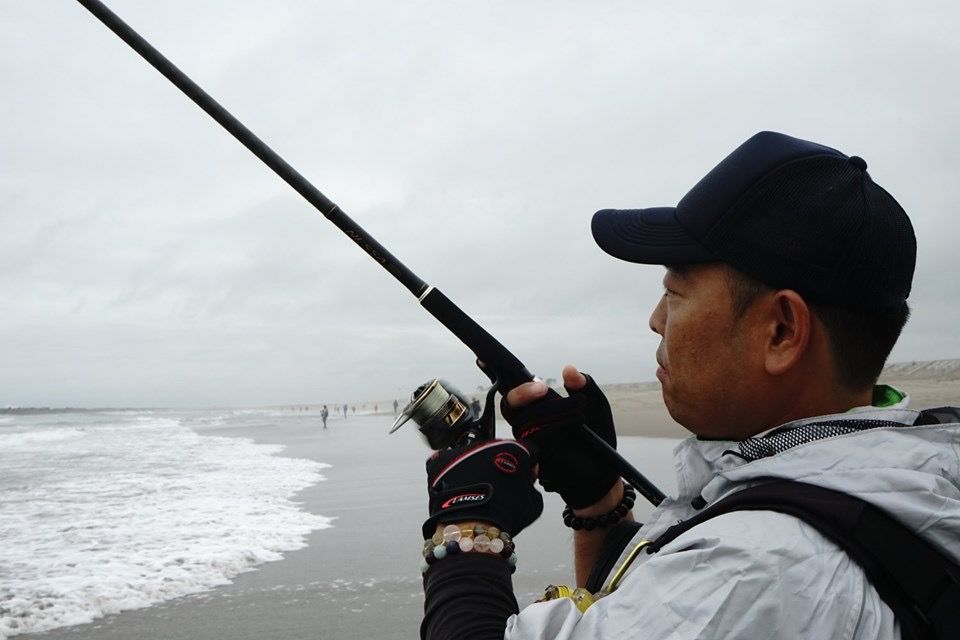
147,259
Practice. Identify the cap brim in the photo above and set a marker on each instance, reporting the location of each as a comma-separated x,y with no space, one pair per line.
647,236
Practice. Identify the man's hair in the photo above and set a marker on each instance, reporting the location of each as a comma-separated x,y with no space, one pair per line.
860,340
743,291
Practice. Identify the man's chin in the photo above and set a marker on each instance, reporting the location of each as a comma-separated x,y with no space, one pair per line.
671,406
681,418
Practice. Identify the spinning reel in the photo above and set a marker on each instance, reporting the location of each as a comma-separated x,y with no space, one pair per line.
444,415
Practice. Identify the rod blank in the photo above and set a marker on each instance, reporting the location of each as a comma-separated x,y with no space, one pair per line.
248,139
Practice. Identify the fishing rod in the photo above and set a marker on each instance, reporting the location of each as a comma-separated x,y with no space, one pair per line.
436,406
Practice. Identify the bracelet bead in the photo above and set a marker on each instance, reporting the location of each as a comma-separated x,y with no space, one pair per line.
469,537
451,532
605,520
481,543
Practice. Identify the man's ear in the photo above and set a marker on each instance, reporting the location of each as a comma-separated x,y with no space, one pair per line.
788,331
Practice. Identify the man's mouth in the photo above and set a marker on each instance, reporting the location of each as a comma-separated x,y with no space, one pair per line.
661,370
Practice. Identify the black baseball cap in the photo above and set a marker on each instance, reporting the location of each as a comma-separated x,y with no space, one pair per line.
790,213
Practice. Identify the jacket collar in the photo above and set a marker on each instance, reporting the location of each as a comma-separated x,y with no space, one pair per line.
698,461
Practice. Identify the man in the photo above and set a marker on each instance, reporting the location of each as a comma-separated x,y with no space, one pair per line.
787,276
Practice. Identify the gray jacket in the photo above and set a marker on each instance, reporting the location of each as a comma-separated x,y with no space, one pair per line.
760,574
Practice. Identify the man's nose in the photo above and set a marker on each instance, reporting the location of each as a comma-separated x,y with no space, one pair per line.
659,316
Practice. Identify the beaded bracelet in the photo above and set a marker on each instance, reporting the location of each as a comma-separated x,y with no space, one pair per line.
468,537
605,520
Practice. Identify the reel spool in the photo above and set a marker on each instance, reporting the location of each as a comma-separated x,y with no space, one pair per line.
444,417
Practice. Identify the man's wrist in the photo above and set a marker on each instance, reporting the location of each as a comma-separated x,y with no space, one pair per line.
471,536
607,503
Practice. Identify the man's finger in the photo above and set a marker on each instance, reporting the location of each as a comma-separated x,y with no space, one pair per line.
526,393
573,379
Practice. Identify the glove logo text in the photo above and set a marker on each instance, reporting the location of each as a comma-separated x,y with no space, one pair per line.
464,497
529,432
506,462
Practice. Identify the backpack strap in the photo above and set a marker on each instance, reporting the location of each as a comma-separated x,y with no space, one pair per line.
917,581
940,415
614,543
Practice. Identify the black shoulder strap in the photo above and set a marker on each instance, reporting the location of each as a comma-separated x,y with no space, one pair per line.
614,543
916,580
940,415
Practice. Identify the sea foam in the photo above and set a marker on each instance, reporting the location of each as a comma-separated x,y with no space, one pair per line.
104,513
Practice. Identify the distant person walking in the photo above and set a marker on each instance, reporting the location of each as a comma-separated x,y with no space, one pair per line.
344,411
323,415
395,405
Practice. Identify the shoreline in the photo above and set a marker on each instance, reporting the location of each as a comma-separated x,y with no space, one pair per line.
638,408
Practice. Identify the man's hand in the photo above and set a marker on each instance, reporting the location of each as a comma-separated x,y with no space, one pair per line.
491,482
568,465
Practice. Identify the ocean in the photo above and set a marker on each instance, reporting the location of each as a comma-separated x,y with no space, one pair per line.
107,511
239,524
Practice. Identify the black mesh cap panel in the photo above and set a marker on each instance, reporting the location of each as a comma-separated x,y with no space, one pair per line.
820,226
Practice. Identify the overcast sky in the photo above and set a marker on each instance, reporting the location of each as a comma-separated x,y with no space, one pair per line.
147,259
